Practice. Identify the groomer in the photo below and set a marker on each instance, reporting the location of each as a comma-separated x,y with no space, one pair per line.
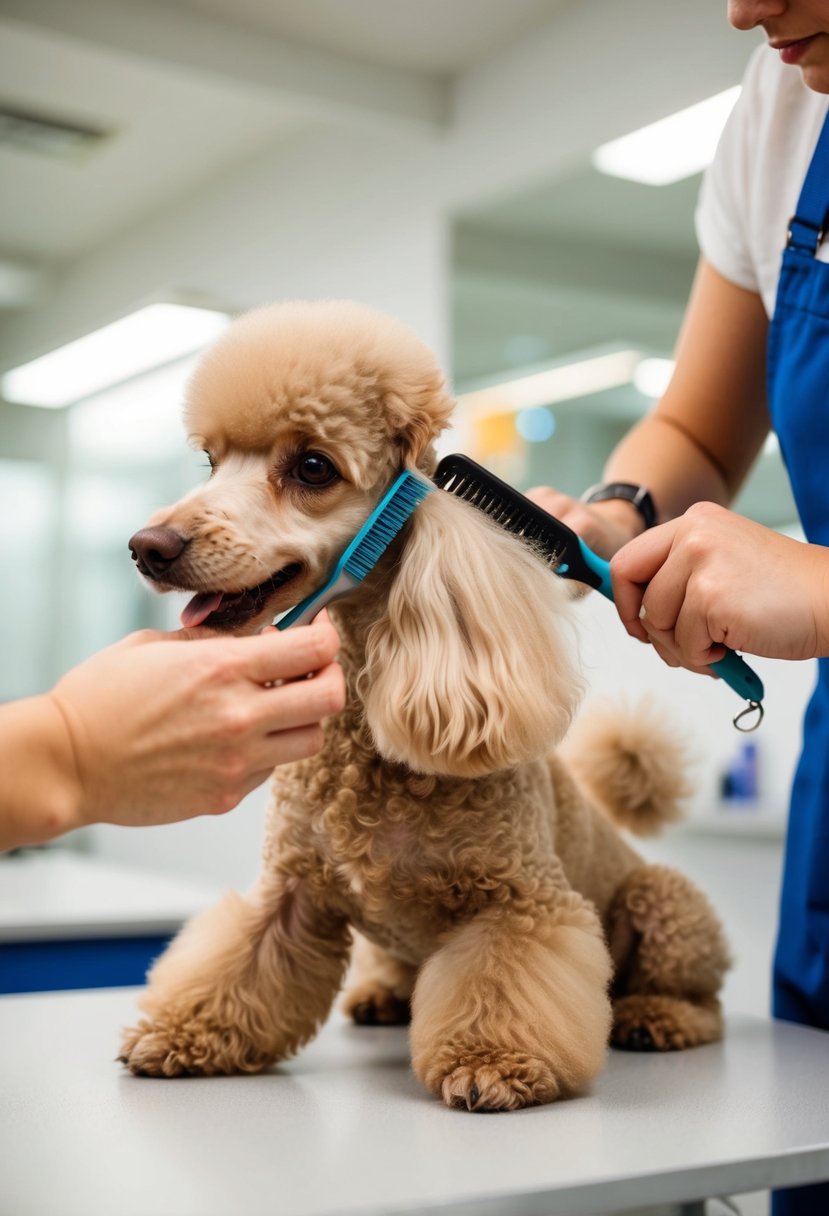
753,353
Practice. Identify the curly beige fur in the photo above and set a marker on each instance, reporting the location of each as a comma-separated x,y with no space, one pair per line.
491,896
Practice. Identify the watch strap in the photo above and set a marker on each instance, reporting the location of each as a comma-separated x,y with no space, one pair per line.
638,496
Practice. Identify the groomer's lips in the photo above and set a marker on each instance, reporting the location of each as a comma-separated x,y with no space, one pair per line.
793,52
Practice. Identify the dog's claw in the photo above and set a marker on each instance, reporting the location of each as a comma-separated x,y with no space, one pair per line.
472,1098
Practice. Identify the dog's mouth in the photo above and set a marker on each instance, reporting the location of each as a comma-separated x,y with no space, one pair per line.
232,609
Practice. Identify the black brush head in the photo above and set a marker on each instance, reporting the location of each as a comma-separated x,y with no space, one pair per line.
548,536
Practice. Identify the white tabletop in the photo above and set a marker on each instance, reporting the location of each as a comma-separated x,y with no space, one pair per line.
56,893
346,1128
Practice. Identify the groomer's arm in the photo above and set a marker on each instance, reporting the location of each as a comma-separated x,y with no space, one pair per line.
700,440
162,727
39,796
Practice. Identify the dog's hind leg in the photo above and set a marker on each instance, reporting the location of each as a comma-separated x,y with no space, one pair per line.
513,1010
243,985
670,957
379,987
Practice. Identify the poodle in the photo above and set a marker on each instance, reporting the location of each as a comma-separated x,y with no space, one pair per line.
469,868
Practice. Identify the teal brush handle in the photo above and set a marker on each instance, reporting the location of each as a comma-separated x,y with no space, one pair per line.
600,568
340,583
732,668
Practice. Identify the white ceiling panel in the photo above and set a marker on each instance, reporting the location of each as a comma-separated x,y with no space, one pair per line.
437,36
170,133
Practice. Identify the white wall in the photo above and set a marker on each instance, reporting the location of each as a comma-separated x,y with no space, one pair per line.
223,851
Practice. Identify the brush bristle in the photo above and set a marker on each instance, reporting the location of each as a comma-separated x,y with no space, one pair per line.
390,519
506,506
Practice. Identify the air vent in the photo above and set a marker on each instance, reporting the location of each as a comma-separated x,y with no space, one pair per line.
44,135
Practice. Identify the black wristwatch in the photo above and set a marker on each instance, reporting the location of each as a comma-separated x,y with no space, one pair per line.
637,496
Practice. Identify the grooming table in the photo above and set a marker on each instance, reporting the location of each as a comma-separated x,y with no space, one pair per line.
346,1129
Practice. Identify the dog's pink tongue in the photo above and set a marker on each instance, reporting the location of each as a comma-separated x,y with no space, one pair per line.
199,608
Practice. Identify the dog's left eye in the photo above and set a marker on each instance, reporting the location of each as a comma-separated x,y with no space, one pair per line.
314,469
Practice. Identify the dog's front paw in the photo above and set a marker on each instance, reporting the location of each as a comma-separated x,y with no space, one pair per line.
495,1080
148,1051
195,1048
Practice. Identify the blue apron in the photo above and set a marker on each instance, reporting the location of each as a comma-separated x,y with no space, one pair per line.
798,381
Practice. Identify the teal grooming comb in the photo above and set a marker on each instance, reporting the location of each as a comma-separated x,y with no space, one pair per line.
366,549
569,556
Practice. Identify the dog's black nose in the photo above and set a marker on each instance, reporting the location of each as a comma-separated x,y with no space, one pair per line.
155,550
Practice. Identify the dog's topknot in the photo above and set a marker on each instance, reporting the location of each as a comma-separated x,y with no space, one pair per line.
301,361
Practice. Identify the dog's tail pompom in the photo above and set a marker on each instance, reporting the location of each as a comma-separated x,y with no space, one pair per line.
633,764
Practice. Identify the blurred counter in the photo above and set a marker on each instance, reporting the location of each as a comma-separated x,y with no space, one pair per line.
70,920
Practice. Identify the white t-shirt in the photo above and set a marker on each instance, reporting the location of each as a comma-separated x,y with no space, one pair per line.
750,191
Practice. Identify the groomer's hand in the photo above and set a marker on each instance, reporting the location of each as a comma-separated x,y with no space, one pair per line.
712,579
162,727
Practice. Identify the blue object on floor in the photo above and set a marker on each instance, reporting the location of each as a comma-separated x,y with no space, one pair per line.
91,962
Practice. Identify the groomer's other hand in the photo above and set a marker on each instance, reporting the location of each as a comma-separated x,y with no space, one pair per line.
712,579
603,526
162,727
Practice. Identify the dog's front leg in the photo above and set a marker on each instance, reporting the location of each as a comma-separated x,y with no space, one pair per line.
513,1009
244,984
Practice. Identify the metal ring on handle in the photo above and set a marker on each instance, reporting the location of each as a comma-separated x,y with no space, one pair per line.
752,707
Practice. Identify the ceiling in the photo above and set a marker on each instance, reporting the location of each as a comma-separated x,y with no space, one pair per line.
166,134
175,125
431,36
494,107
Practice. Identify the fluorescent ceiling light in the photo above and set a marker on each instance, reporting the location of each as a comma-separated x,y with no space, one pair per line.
562,383
151,337
672,148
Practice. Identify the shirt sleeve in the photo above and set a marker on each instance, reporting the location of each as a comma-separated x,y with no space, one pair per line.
722,215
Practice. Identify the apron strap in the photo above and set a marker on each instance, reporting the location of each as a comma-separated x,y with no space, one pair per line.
810,223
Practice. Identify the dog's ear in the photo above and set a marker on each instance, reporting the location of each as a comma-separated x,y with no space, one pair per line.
471,668
417,408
